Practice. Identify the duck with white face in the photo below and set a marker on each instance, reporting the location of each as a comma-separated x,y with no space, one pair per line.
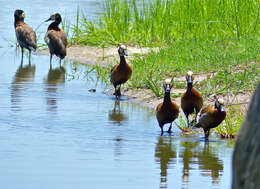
121,72
167,111
122,50
211,117
191,100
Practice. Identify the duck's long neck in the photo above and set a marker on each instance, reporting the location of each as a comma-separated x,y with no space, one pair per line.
189,87
122,60
17,21
54,26
167,98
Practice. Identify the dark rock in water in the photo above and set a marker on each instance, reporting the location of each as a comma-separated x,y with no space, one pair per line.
246,156
92,90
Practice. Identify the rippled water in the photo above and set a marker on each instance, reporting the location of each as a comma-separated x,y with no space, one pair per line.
54,133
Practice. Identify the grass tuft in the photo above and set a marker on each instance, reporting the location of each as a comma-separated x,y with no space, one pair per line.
230,127
157,22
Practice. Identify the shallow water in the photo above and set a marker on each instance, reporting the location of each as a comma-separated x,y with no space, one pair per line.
54,133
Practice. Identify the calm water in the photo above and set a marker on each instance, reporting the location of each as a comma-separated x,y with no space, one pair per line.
54,133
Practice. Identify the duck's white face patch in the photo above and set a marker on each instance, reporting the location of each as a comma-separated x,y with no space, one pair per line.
168,81
189,73
123,47
221,101
53,16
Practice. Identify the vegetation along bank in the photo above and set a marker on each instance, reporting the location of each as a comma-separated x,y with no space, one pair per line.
216,39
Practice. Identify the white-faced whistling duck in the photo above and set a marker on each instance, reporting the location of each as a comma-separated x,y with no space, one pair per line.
121,72
211,117
25,35
167,111
56,38
191,100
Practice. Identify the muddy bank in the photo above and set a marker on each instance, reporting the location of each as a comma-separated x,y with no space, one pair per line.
94,55
144,97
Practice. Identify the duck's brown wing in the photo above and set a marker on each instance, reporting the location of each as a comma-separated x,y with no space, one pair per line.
114,74
159,107
206,118
159,114
57,42
114,68
63,37
205,109
26,36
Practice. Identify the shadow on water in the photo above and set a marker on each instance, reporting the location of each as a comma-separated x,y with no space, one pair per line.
116,115
54,79
24,74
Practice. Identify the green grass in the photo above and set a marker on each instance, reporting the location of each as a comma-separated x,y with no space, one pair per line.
201,56
158,22
198,35
230,127
205,36
227,82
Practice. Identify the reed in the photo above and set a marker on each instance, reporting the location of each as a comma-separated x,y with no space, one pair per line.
233,61
220,36
232,82
157,22
230,127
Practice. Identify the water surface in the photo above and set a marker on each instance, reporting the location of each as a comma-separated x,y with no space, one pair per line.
54,133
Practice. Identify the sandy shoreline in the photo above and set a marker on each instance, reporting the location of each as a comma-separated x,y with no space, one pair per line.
143,97
94,55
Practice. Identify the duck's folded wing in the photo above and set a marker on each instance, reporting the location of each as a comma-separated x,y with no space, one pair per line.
55,40
26,36
205,120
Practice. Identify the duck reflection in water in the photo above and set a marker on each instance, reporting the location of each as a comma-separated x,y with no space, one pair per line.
165,154
24,74
54,78
188,154
210,163
116,115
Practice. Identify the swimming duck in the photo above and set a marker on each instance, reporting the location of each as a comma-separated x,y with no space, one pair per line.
191,100
211,117
25,35
167,111
56,38
121,72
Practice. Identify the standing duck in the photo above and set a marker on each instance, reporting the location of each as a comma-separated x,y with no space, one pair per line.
167,111
56,38
121,72
25,35
211,117
191,100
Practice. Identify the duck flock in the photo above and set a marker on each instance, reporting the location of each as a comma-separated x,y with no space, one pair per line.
166,112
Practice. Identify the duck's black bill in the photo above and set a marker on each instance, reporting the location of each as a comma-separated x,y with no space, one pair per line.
47,20
125,53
